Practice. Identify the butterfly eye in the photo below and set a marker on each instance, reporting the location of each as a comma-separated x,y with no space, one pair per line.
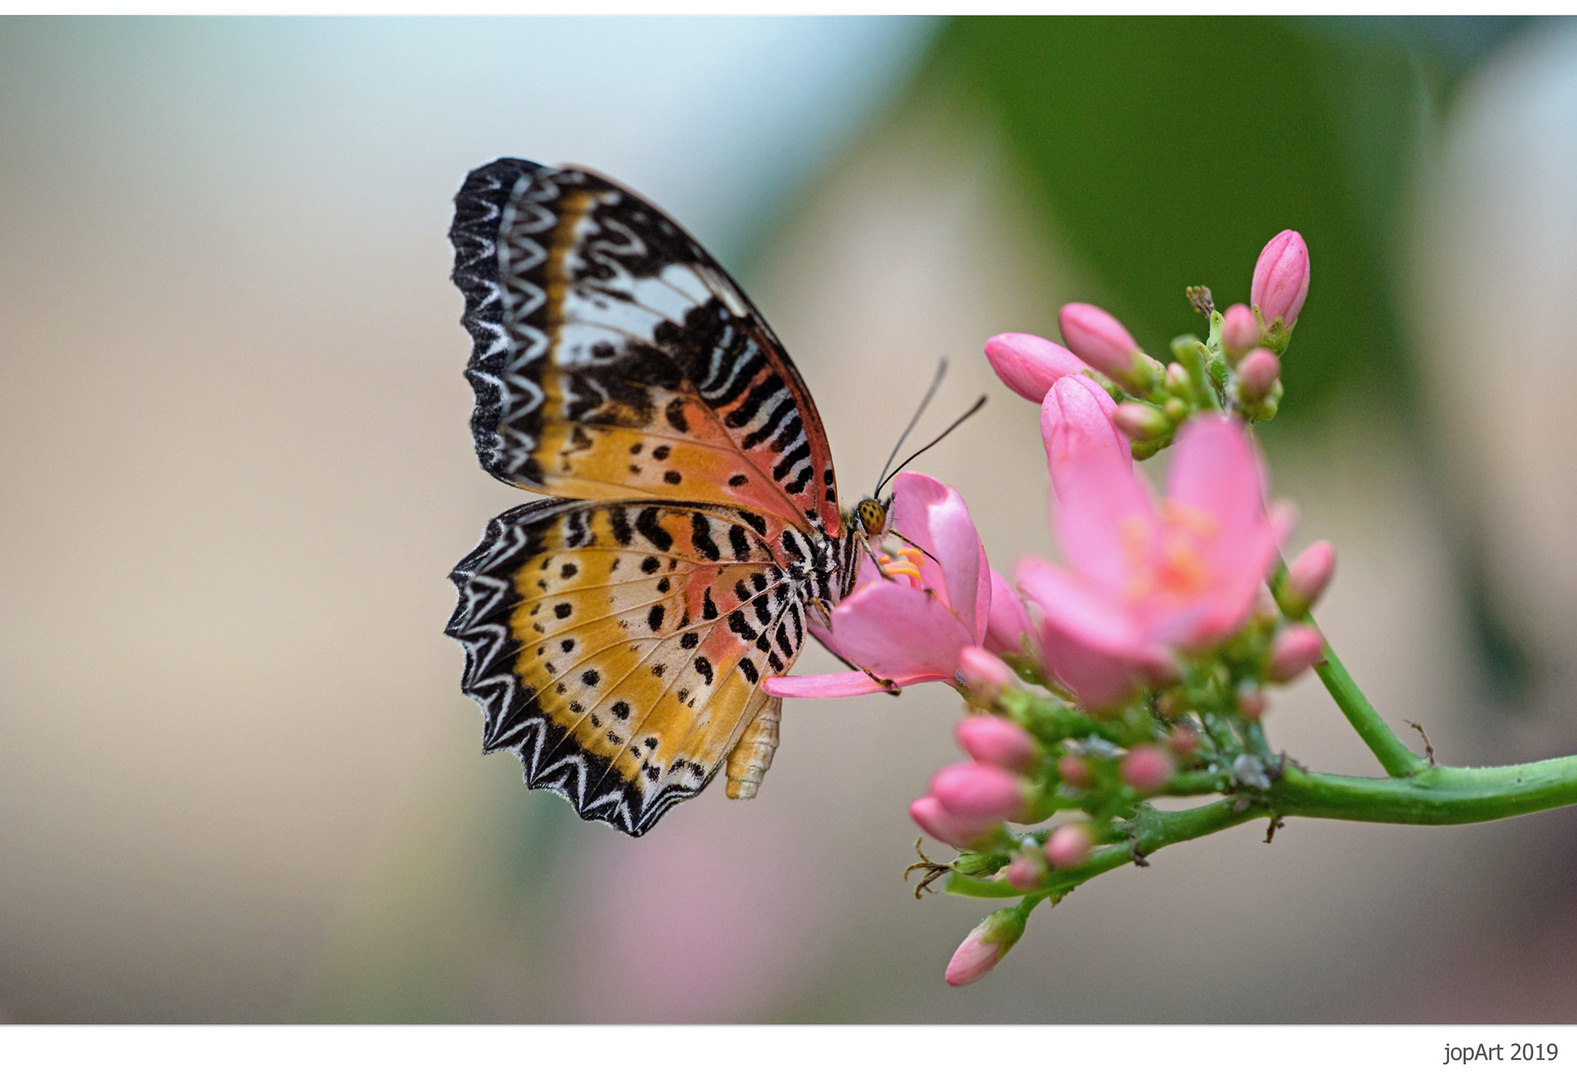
873,517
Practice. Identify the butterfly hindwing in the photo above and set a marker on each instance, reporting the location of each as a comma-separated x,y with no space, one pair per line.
618,647
613,358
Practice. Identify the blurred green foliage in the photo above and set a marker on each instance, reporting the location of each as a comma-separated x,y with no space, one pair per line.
1164,152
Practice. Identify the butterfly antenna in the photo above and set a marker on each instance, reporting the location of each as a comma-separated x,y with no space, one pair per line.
973,409
936,380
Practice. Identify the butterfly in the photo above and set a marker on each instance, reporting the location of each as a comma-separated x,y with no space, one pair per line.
617,633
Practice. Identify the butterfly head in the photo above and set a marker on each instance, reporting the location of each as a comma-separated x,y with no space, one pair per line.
872,515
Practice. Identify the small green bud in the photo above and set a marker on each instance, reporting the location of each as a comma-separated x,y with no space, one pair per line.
1184,346
974,864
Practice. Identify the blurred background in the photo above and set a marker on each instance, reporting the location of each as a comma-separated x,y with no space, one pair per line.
238,780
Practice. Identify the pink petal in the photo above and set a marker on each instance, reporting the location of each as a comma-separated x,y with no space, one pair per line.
1216,469
840,684
1105,520
1075,421
1281,278
913,496
973,960
1030,364
896,632
1008,622
972,790
1098,679
1079,607
1097,338
1087,638
962,833
957,547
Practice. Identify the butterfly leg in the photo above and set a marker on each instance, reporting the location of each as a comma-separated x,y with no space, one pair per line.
865,542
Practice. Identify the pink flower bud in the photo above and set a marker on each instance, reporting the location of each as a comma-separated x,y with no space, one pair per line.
1147,768
1140,422
986,944
972,790
1075,771
1257,374
1239,331
1026,871
1307,577
1281,279
1030,364
1294,650
1075,423
991,740
965,834
1068,846
984,672
1251,704
1184,742
1098,339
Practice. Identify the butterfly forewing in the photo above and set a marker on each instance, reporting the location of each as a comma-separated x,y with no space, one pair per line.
613,358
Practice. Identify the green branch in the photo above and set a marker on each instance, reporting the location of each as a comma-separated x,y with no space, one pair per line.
1392,753
1434,796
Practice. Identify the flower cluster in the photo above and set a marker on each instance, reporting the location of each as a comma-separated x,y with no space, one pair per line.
1135,668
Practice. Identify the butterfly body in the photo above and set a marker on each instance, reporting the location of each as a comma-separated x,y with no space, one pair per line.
617,633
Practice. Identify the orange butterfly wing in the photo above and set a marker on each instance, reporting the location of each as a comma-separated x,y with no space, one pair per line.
615,636
614,358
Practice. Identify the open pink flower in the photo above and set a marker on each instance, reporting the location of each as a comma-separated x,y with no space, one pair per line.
910,627
1148,578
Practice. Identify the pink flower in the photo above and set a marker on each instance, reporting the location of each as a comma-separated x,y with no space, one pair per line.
1141,421
1307,578
984,671
1008,624
1257,374
1076,422
963,833
1069,845
908,628
992,740
1027,871
971,791
1096,337
1294,650
1147,768
985,946
1075,771
1281,279
1030,364
1239,331
1146,579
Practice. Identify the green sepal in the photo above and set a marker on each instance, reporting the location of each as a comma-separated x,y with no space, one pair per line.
974,863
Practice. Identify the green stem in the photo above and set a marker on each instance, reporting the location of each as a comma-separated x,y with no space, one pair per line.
1433,796
1388,748
1392,753
1194,361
